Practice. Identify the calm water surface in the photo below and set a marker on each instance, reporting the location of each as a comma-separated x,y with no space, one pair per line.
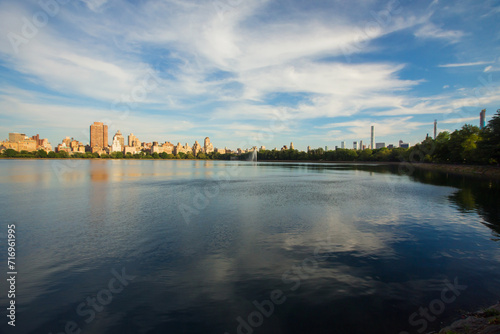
238,247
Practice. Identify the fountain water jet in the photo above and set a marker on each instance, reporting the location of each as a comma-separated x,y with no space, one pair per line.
253,156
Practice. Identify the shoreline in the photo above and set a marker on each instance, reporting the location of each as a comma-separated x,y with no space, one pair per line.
482,171
485,321
466,170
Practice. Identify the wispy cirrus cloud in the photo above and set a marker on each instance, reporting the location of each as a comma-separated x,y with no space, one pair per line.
431,31
476,63
357,129
458,120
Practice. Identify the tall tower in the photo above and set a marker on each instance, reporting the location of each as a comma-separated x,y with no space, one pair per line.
291,146
435,128
98,135
482,118
372,138
208,147
133,141
118,135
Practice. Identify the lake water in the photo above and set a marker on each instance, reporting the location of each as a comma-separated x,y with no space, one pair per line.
130,246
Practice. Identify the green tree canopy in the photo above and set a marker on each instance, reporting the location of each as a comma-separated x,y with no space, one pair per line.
463,144
491,145
10,153
41,154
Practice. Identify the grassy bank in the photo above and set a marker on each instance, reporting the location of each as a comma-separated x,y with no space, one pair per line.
469,170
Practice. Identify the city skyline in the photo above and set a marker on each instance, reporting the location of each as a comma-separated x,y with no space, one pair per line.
99,138
261,72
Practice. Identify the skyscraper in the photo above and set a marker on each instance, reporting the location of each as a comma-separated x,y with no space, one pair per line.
120,138
208,147
98,135
133,140
435,128
372,138
482,118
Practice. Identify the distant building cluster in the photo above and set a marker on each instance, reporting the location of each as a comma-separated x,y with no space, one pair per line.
373,145
99,143
20,142
70,145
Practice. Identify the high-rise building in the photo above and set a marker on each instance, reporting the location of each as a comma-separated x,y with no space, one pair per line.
118,142
133,141
482,118
291,146
361,145
36,138
207,146
435,128
355,145
15,137
67,142
342,144
196,148
372,137
118,136
115,145
98,135
20,142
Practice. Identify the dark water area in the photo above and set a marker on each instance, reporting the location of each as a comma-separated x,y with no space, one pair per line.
131,246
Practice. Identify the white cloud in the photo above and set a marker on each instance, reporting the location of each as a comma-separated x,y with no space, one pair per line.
466,64
431,31
95,5
68,120
458,120
359,129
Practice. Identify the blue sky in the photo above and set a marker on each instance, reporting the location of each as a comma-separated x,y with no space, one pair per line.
247,72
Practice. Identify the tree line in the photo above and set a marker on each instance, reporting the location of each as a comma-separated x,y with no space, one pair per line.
10,153
468,145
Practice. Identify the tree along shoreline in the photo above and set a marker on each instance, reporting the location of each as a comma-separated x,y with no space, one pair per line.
468,170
